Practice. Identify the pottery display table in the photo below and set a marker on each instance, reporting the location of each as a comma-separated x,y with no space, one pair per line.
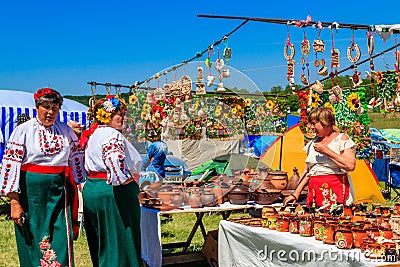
241,245
151,229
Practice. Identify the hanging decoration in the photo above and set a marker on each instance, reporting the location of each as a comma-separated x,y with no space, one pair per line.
305,49
219,65
319,46
200,86
371,47
289,60
210,77
227,55
354,48
335,53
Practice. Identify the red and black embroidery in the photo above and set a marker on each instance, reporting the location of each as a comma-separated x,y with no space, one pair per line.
50,145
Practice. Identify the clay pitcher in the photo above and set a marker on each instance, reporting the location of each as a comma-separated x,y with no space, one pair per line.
294,179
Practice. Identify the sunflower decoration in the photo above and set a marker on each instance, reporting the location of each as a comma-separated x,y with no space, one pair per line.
103,116
353,101
133,99
217,112
146,108
260,110
247,101
269,104
234,110
329,105
315,100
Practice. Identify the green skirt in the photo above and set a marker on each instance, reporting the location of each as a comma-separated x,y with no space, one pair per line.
112,222
46,235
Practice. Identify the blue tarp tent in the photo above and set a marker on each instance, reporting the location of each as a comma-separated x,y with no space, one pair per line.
13,103
259,144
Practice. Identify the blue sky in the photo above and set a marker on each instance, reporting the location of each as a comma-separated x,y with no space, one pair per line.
65,44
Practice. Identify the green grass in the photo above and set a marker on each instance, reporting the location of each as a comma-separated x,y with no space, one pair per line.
174,229
381,121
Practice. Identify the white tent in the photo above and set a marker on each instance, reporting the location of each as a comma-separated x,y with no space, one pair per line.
13,103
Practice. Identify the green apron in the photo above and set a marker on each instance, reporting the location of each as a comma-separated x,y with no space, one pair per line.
112,223
46,235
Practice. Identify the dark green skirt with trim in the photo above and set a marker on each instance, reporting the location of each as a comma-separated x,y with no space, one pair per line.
112,223
46,235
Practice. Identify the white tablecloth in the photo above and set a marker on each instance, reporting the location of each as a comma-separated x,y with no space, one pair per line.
242,246
150,225
151,236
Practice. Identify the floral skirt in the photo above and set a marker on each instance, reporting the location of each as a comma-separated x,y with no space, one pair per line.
45,238
326,190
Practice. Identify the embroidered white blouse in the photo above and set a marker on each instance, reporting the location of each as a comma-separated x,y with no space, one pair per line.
320,164
109,151
32,143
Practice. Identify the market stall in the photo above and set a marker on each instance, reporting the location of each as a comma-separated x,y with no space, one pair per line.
241,245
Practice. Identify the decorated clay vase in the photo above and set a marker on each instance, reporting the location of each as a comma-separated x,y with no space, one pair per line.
344,239
306,225
282,224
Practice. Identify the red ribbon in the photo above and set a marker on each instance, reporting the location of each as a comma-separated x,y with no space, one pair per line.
86,134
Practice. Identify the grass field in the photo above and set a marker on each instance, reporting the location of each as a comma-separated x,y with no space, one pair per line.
174,229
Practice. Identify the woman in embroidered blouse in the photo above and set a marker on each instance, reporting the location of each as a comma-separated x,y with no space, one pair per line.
330,155
110,196
41,157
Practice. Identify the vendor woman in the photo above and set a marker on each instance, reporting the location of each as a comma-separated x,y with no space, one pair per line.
330,156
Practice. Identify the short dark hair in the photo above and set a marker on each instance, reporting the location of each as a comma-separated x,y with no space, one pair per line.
54,98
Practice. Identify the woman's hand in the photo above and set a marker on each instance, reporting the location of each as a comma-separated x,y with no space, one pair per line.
288,199
17,213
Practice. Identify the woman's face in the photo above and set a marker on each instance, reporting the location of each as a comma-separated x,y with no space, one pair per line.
117,121
320,129
47,113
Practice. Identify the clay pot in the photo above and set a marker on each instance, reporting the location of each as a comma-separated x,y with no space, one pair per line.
177,199
239,194
318,228
294,225
208,198
165,197
282,224
194,197
344,239
329,232
358,235
294,180
272,220
264,197
279,179
305,225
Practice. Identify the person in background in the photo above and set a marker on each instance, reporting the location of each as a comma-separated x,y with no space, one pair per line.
330,156
156,152
76,127
23,117
41,165
111,207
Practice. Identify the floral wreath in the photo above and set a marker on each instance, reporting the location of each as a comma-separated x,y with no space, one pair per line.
111,103
42,92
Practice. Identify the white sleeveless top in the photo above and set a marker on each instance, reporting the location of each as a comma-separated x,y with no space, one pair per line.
320,164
